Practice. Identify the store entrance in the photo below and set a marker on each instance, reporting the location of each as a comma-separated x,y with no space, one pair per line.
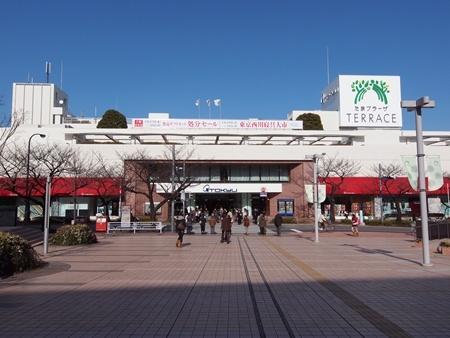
216,201
258,206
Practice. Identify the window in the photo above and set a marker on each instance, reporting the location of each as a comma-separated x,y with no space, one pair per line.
284,174
215,174
286,207
254,174
224,174
239,174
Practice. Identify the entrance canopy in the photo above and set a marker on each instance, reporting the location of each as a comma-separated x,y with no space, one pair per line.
212,137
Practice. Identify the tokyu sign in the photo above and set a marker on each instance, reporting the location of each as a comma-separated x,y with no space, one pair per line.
365,101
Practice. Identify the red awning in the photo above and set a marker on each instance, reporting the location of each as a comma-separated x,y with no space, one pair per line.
371,186
64,186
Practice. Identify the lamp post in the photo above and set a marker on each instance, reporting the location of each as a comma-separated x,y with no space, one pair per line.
411,105
316,158
27,185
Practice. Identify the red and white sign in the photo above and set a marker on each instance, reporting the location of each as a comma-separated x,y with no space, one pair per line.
217,124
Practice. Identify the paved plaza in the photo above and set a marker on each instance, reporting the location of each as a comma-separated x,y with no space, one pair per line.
256,286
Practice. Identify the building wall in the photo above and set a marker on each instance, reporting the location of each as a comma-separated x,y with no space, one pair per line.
39,103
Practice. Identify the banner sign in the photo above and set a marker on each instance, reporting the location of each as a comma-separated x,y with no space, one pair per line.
126,215
322,193
216,124
433,170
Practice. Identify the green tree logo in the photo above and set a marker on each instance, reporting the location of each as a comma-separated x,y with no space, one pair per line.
364,86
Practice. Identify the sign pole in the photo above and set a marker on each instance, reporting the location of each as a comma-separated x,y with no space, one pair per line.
48,186
315,199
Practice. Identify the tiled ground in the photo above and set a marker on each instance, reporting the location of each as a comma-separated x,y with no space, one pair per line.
142,285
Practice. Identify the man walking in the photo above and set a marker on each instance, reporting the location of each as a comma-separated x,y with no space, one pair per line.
278,220
226,228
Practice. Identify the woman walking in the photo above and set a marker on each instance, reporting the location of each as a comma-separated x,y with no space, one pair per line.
181,226
212,223
246,223
355,223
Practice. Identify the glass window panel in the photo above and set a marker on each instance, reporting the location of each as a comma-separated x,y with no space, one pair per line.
215,174
265,173
274,173
254,173
284,174
201,174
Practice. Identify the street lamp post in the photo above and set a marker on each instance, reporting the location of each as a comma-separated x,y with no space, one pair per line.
380,177
27,184
410,105
316,158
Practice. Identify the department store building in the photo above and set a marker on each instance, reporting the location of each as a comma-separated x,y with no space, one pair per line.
258,165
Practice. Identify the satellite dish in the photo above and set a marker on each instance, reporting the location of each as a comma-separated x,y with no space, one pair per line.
61,101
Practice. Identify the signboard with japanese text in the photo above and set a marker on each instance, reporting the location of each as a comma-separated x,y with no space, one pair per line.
216,124
365,100
225,188
126,215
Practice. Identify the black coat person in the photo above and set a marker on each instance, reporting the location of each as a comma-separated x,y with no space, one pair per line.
278,220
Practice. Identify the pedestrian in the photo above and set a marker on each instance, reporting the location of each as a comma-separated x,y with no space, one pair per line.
181,226
262,223
322,222
203,223
223,225
246,223
226,224
278,220
189,222
355,223
239,217
212,221
227,227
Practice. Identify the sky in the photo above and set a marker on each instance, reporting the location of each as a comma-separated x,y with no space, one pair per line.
263,59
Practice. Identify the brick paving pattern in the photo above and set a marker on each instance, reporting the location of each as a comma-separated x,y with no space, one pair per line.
142,285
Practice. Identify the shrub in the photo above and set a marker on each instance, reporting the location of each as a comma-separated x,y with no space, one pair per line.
403,223
345,221
16,255
445,243
74,235
287,220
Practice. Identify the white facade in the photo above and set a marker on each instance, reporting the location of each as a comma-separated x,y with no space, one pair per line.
367,145
39,104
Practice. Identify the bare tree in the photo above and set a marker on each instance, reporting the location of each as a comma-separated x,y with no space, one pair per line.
45,161
81,169
386,174
340,168
144,175
7,130
108,177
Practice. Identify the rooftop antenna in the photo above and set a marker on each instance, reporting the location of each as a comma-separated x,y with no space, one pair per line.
61,75
48,70
28,77
95,113
328,67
